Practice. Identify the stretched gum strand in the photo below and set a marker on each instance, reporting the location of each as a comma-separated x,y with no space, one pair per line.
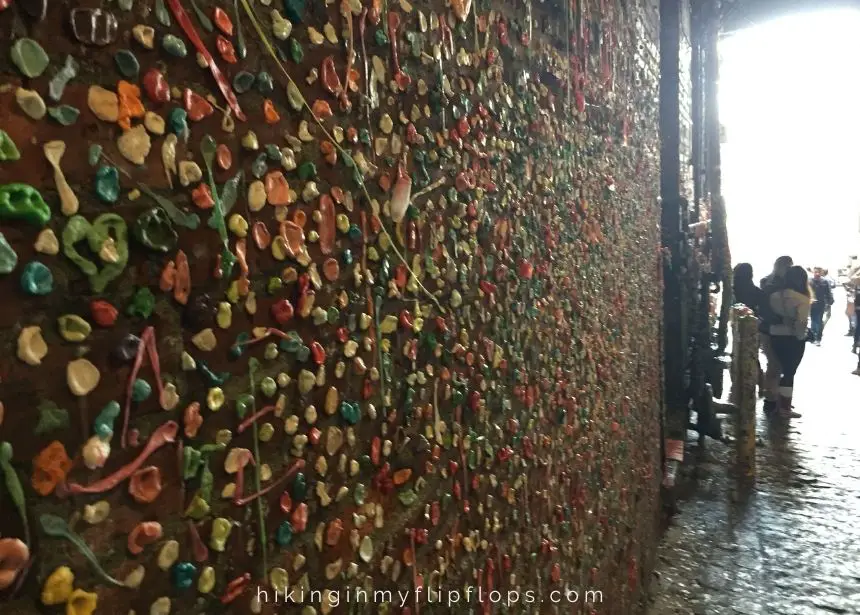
241,257
350,57
253,364
251,419
393,21
147,345
191,33
165,434
200,550
296,466
269,332
57,527
13,486
361,29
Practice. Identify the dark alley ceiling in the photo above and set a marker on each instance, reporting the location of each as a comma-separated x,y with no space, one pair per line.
740,14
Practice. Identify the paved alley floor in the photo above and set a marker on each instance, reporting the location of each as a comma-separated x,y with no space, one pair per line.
789,543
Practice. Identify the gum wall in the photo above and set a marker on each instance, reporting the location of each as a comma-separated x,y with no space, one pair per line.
325,296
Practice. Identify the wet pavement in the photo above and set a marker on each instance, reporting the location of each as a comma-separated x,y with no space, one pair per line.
788,544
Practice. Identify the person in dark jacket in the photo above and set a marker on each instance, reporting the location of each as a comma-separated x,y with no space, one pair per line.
822,297
776,277
745,291
855,294
744,288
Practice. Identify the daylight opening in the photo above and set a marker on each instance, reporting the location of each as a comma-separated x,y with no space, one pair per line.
788,105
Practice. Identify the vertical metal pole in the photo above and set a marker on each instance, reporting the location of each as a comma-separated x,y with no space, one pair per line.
675,343
720,257
700,329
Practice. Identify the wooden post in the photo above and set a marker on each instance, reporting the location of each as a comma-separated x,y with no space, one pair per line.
745,367
734,391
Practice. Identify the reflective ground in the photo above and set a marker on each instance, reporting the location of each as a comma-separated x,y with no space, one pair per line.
788,544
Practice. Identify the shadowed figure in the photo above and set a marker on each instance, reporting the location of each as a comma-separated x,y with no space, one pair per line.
745,291
822,299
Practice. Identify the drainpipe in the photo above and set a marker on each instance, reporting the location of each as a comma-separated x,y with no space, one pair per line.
675,416
702,383
674,300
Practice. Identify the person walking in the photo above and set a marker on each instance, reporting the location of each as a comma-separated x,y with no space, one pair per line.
850,288
828,312
822,297
789,337
854,293
771,284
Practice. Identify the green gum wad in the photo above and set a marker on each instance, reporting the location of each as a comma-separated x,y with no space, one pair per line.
192,461
8,149
13,485
154,230
96,234
142,303
23,202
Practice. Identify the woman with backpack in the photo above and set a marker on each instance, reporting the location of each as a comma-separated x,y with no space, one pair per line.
789,337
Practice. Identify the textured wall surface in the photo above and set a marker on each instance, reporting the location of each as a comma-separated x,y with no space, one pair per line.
380,311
